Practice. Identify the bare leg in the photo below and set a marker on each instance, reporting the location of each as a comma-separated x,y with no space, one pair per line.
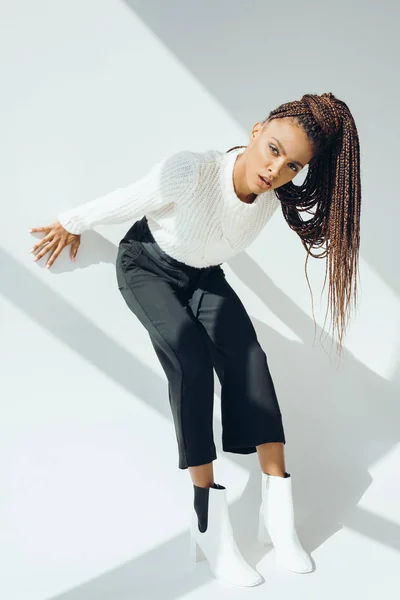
203,475
272,458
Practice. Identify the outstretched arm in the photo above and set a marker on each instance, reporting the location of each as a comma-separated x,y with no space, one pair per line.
166,182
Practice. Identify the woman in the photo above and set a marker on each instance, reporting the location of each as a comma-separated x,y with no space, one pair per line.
200,210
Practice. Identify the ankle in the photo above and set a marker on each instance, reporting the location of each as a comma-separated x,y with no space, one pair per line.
276,473
204,485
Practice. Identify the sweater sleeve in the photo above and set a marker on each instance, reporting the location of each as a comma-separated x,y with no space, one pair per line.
165,183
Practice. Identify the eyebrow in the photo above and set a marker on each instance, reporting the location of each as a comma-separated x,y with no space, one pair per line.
282,149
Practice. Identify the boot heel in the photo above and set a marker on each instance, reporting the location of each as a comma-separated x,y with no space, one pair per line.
263,535
196,553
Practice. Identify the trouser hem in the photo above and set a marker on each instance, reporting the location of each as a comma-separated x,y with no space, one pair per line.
248,448
183,464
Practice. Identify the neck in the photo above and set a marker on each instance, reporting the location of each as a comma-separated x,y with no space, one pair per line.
242,190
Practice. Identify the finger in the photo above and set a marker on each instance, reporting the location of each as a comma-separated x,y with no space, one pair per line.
38,229
41,242
44,251
54,255
74,250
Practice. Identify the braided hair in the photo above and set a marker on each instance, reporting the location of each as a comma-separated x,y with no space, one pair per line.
331,193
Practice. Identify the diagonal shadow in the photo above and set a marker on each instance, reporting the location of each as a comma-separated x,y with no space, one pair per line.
339,423
317,425
336,477
55,315
246,54
321,419
164,573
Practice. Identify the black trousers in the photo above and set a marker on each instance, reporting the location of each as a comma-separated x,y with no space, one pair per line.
197,323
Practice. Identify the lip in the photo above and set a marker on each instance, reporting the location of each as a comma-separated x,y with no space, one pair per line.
264,182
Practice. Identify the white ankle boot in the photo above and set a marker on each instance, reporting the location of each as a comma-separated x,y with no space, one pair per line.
211,537
277,519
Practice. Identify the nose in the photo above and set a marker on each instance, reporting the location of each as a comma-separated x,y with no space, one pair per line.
274,171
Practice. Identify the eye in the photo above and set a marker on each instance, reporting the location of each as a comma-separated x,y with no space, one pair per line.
273,148
276,149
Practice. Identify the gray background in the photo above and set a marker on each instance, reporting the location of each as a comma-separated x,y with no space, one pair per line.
92,504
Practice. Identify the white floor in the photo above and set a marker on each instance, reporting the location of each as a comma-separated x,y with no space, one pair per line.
93,505
85,514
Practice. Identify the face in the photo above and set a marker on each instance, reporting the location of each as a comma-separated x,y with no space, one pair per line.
277,150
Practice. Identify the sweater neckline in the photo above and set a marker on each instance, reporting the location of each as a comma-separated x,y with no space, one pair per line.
229,188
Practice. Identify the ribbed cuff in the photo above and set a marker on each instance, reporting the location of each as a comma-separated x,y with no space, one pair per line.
72,223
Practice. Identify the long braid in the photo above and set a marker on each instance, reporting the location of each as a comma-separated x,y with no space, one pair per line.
331,193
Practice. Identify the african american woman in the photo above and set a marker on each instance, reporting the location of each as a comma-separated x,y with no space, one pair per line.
192,212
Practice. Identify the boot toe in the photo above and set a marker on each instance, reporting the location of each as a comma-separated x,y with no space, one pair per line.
242,577
298,563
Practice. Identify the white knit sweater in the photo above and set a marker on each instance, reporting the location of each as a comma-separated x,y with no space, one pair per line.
191,206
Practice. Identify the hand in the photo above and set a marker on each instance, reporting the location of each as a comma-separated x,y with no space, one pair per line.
56,238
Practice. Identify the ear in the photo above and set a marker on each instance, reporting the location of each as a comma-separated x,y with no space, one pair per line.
256,130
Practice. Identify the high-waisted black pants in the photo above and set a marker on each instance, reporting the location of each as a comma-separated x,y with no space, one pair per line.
196,323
